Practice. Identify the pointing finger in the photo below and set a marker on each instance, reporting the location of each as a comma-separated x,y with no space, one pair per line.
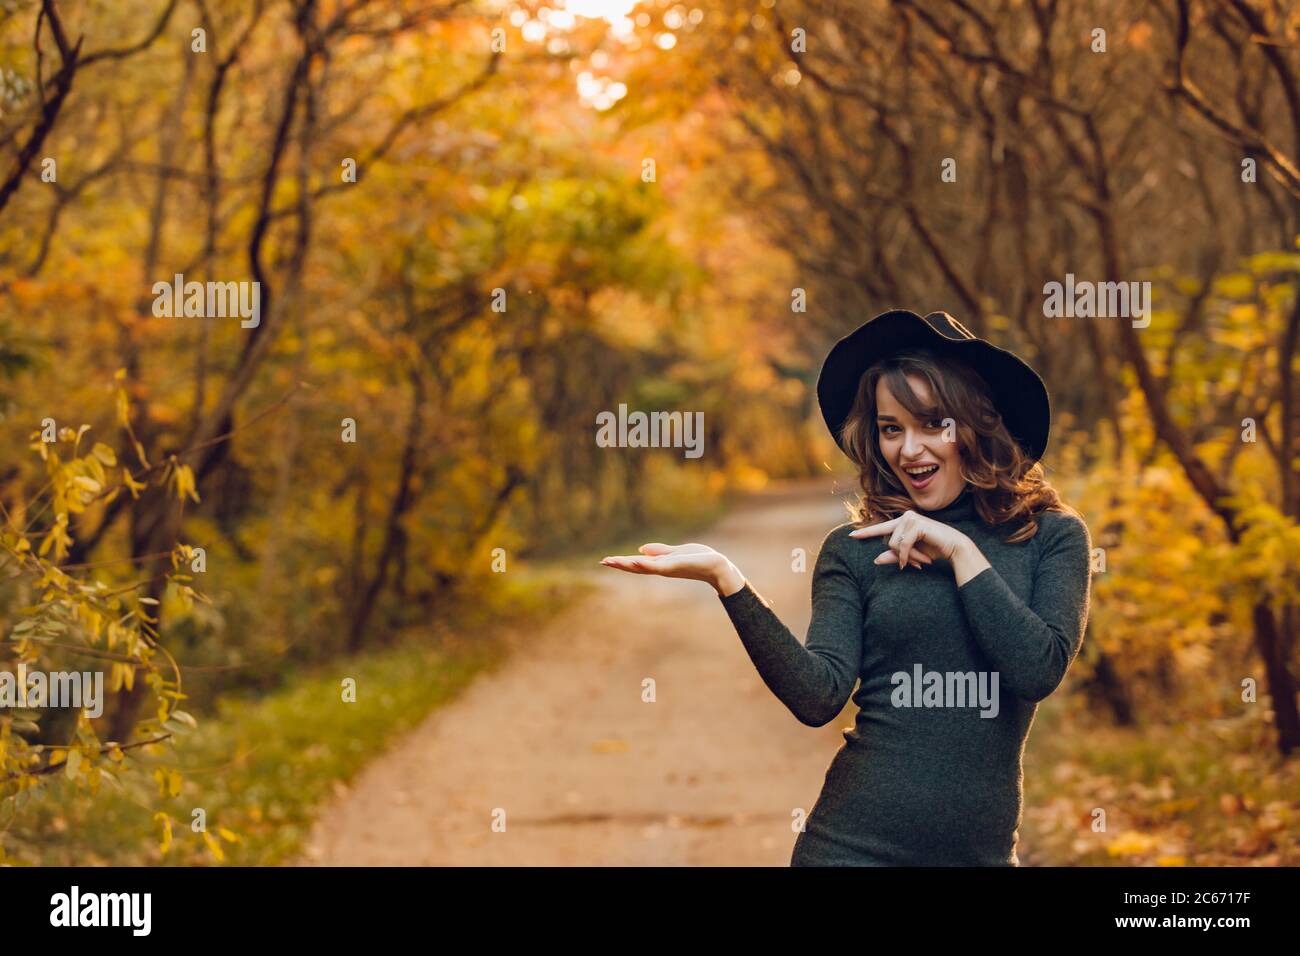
875,530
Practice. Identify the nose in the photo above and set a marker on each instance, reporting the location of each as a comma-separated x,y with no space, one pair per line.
912,446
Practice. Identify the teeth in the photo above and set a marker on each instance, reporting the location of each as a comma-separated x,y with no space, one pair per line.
921,471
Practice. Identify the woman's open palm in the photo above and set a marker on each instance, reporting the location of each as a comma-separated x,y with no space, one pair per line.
697,562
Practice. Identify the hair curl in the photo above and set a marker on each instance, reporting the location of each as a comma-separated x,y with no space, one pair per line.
1008,487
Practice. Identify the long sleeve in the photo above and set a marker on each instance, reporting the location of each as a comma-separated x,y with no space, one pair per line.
1032,645
814,679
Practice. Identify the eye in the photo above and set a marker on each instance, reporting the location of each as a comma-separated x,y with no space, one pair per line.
936,423
885,429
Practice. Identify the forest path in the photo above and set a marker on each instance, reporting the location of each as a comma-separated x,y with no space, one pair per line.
589,774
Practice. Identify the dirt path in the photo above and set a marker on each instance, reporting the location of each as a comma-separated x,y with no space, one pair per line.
587,772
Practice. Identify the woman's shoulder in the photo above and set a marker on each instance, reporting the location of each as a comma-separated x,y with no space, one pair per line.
838,536
1063,528
856,553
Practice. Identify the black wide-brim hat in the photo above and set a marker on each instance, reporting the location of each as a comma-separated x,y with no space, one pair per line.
1017,391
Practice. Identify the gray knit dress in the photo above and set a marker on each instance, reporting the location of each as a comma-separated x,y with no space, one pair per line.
930,772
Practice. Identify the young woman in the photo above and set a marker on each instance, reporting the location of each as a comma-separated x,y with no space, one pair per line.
955,600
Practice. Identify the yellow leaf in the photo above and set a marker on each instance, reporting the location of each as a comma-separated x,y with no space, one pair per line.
185,483
135,486
166,821
213,846
1131,843
104,454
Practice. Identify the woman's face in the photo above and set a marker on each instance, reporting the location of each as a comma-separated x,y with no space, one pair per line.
911,445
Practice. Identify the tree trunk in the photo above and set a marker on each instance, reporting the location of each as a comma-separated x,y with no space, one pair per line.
1272,646
1107,686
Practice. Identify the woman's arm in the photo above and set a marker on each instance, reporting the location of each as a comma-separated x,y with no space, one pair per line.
814,679
1032,645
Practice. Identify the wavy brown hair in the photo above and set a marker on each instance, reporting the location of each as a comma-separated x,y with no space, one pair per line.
1008,487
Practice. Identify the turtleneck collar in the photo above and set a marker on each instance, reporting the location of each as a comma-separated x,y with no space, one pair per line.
960,508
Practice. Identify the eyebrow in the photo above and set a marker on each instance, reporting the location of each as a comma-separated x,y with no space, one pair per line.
927,413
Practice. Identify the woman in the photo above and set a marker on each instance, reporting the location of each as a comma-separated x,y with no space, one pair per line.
957,598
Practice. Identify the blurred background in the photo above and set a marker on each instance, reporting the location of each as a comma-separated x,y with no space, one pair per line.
476,226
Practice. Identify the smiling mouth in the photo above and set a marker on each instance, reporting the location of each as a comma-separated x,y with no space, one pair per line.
921,477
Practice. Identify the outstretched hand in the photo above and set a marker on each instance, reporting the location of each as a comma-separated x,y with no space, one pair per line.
697,562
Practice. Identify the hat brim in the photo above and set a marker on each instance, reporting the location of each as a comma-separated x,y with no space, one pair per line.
1016,390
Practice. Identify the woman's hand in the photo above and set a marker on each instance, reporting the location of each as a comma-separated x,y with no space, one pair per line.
912,534
697,562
